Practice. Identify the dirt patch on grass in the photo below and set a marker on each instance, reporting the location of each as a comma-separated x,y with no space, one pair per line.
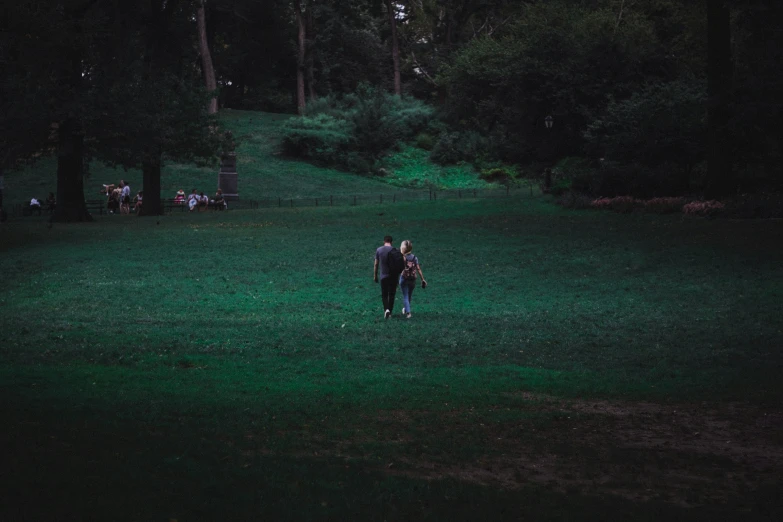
684,454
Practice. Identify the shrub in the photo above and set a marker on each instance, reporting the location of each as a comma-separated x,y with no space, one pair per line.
498,174
664,205
661,123
354,131
575,200
763,205
560,186
622,204
703,208
425,141
453,147
322,137
574,173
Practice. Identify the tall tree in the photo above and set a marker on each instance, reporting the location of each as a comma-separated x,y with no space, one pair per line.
206,56
310,29
153,107
392,11
719,73
301,101
70,173
71,205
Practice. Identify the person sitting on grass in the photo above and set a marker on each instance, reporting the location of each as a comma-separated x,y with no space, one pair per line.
51,202
193,200
179,199
35,206
137,206
219,202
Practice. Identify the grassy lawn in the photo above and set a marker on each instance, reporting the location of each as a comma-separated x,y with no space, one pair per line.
236,365
262,171
561,365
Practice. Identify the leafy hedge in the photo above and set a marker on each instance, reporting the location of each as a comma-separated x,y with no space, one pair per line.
356,130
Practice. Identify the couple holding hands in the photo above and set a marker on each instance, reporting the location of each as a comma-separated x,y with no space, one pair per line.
397,267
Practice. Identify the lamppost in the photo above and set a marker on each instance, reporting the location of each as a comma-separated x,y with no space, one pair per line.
549,121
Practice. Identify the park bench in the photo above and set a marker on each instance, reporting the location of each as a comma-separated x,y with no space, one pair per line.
28,211
97,206
169,205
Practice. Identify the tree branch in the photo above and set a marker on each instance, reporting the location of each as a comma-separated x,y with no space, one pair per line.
619,17
426,75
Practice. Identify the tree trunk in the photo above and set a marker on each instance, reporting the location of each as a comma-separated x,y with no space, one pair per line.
395,47
70,168
151,204
301,103
206,57
310,29
240,98
719,71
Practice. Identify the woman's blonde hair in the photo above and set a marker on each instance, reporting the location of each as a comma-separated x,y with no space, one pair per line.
406,247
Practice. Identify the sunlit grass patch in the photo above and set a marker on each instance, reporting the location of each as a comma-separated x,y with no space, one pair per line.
411,167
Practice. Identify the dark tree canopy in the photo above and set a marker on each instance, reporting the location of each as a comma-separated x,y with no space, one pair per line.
126,80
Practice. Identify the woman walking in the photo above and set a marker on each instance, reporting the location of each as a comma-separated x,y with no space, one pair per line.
408,277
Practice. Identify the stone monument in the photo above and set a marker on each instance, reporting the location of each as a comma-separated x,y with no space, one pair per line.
227,179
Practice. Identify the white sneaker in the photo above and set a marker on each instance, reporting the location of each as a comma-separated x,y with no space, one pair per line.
387,314
403,311
408,316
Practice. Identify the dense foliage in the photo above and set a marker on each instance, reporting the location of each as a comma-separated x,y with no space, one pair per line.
355,130
625,83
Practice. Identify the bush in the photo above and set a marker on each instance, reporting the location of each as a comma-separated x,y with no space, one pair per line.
425,141
498,174
453,147
322,137
763,205
621,204
560,186
664,205
655,138
573,173
703,208
354,131
575,200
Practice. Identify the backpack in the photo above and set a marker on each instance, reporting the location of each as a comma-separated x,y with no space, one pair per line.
409,272
395,261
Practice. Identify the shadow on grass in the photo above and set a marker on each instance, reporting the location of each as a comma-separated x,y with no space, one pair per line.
63,465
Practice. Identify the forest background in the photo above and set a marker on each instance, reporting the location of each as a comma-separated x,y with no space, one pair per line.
642,98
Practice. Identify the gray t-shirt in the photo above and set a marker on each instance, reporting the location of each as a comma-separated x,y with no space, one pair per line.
383,264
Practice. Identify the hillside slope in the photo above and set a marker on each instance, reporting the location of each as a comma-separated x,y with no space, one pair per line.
262,171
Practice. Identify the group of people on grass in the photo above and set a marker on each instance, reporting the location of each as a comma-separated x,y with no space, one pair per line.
119,198
199,201
395,268
50,203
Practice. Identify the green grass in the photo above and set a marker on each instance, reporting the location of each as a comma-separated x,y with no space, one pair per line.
411,167
236,365
262,171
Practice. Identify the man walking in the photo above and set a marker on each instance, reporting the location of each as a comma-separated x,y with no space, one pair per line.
387,278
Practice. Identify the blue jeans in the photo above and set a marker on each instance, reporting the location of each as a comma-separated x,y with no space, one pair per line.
407,286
